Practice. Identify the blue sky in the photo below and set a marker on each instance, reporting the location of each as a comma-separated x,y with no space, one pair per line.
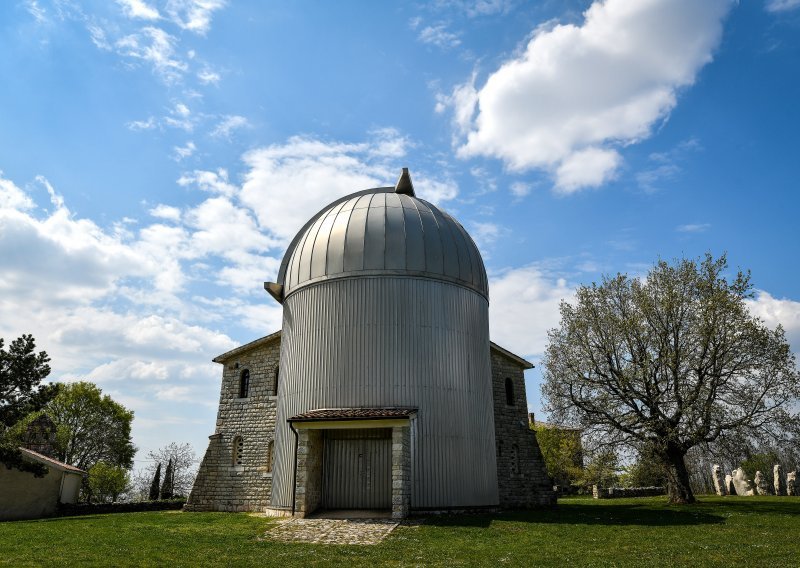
157,156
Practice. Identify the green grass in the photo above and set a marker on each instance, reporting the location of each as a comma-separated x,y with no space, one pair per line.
731,531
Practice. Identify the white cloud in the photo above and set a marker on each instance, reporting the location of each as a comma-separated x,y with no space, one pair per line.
782,5
228,125
98,36
577,92
156,47
590,167
185,151
524,306
193,15
166,212
520,189
137,125
208,77
213,182
39,14
774,311
439,36
12,197
485,234
139,9
693,228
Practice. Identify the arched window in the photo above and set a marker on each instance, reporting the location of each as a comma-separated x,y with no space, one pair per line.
270,455
237,455
509,392
275,381
244,384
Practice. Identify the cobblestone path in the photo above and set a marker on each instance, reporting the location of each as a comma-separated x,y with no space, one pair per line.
332,531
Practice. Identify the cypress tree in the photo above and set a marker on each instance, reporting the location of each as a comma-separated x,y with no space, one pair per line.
154,485
166,487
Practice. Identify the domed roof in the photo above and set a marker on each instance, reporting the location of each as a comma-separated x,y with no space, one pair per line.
381,231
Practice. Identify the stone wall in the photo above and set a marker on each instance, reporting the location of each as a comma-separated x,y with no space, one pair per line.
222,484
521,474
401,471
622,492
308,490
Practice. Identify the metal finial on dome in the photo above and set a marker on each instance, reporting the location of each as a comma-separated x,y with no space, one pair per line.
404,184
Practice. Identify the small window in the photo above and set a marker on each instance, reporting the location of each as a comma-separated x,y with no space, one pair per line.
500,448
509,392
244,384
238,451
270,455
275,381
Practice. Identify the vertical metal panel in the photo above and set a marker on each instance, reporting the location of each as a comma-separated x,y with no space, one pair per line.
433,242
375,237
395,238
319,255
357,469
354,242
415,242
396,341
336,241
449,250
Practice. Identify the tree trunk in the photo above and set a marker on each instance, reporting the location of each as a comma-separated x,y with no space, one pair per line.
678,488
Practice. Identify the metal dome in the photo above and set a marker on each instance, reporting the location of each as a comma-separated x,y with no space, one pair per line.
378,232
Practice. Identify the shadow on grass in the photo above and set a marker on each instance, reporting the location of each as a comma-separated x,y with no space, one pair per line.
579,514
758,505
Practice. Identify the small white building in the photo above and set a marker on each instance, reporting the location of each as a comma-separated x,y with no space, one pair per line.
25,496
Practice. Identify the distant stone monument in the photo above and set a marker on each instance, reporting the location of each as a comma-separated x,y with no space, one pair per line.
719,480
729,485
743,485
762,486
780,482
792,486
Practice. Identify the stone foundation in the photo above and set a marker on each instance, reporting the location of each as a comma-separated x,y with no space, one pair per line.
623,492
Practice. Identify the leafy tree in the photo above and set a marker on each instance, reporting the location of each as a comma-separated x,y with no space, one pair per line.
669,362
22,371
91,427
154,485
646,471
107,481
166,486
602,469
763,462
562,452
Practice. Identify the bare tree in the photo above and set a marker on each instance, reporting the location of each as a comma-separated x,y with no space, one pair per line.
670,362
183,466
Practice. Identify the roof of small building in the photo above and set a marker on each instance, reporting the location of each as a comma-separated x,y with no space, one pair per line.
381,231
352,414
50,462
524,363
247,347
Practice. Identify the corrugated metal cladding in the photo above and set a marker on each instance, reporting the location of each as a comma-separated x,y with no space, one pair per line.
378,232
396,341
357,469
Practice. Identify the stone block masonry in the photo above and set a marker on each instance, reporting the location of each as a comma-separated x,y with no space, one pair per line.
236,476
401,471
522,476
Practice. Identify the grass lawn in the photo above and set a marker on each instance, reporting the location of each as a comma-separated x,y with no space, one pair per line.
718,531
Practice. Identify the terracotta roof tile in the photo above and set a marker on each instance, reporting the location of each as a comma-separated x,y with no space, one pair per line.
353,414
41,458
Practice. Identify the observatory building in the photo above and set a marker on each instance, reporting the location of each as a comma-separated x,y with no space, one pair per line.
382,390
